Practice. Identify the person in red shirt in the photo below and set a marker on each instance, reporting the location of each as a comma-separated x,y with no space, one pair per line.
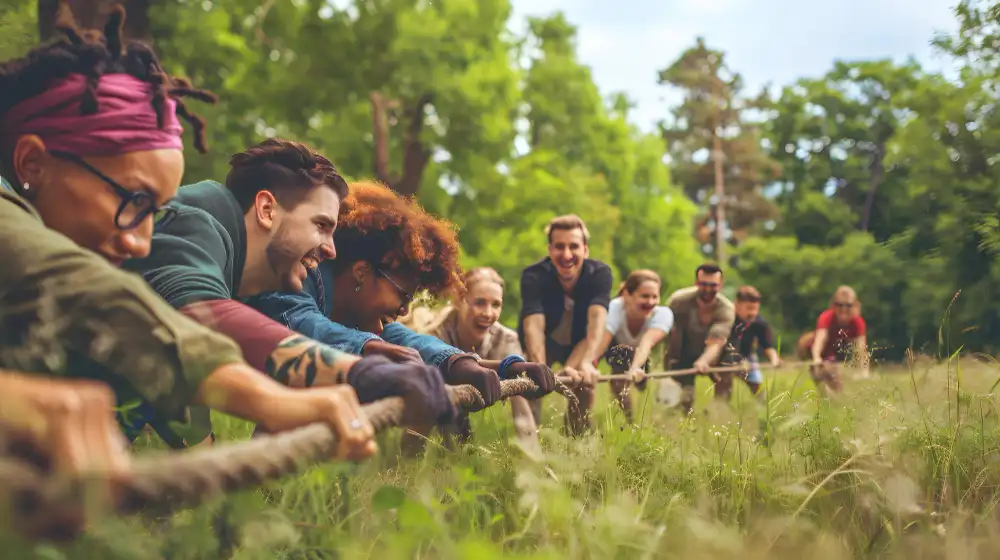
841,334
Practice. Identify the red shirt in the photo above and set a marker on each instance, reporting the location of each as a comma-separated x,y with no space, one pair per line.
839,336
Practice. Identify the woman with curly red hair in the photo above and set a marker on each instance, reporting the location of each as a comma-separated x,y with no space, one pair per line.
388,249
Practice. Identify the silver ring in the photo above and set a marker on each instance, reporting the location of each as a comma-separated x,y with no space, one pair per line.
355,424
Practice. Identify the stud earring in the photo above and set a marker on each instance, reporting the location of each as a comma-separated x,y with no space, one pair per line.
25,186
357,288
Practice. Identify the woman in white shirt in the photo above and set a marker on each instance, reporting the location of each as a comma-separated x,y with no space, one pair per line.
636,319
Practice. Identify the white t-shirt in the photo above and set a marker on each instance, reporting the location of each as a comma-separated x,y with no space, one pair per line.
617,324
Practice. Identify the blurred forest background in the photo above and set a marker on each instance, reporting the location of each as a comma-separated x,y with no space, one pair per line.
877,174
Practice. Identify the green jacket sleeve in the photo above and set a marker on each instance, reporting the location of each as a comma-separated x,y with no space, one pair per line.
66,311
188,259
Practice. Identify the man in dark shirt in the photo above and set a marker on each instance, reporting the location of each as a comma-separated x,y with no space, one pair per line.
564,307
749,328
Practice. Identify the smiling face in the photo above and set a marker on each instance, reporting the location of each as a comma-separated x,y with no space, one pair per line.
301,236
567,249
81,205
481,307
708,285
383,297
643,300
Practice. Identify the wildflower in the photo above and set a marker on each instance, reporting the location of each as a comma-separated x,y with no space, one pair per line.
836,429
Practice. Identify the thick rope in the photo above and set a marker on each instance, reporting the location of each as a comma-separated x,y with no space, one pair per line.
166,481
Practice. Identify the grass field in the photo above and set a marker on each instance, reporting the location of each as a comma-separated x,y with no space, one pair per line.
906,465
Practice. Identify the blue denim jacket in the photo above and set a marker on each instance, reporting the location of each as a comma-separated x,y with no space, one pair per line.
307,313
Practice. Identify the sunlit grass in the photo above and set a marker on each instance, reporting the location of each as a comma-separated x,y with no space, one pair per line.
904,465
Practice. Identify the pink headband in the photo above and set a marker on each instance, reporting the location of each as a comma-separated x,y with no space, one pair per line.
125,120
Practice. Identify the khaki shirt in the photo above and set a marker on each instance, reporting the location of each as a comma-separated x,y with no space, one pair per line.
498,343
64,311
690,334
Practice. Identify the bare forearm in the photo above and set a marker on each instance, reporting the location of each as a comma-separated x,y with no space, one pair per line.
299,361
534,338
596,320
241,391
649,339
819,342
772,355
713,349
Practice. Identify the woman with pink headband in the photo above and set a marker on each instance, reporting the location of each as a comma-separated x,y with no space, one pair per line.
90,144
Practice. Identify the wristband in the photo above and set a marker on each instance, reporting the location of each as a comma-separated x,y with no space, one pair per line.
507,362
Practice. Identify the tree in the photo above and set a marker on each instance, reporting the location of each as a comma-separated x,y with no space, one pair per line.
93,14
830,136
715,146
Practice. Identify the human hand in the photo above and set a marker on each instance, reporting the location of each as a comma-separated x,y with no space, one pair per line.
67,427
421,386
540,373
639,377
466,370
589,376
395,352
701,365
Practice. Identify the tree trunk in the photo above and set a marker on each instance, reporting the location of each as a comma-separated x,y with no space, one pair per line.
93,14
720,194
876,177
415,155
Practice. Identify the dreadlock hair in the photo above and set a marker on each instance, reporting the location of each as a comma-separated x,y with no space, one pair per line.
284,168
95,54
385,229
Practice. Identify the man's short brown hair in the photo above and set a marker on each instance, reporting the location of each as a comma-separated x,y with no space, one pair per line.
285,168
568,222
748,293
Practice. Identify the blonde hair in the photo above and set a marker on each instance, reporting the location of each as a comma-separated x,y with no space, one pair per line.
848,292
480,273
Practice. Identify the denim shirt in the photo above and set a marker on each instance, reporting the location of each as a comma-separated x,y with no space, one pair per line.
306,313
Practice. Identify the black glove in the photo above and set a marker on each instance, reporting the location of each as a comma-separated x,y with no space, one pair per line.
541,374
377,377
465,370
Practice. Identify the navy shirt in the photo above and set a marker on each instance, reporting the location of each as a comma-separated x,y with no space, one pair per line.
542,293
744,334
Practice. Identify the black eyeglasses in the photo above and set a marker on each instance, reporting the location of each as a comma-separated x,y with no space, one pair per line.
135,206
708,284
404,296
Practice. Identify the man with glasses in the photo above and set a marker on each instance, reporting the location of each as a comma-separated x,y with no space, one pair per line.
703,319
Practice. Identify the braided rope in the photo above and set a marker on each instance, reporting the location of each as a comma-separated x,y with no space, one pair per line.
162,482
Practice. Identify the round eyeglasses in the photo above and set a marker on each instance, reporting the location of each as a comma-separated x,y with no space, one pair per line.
135,207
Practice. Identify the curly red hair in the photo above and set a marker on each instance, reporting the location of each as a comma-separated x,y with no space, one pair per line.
379,226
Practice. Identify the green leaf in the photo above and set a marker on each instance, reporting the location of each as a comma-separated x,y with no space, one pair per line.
388,497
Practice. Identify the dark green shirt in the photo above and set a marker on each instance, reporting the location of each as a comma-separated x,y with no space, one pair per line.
65,311
199,248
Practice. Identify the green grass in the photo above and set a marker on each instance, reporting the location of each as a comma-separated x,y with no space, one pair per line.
903,466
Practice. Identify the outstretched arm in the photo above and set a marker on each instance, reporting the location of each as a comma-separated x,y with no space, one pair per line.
819,343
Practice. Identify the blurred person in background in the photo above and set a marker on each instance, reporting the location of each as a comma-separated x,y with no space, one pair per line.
635,319
751,337
703,319
840,339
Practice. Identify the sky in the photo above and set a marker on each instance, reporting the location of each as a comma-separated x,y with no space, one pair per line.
625,42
